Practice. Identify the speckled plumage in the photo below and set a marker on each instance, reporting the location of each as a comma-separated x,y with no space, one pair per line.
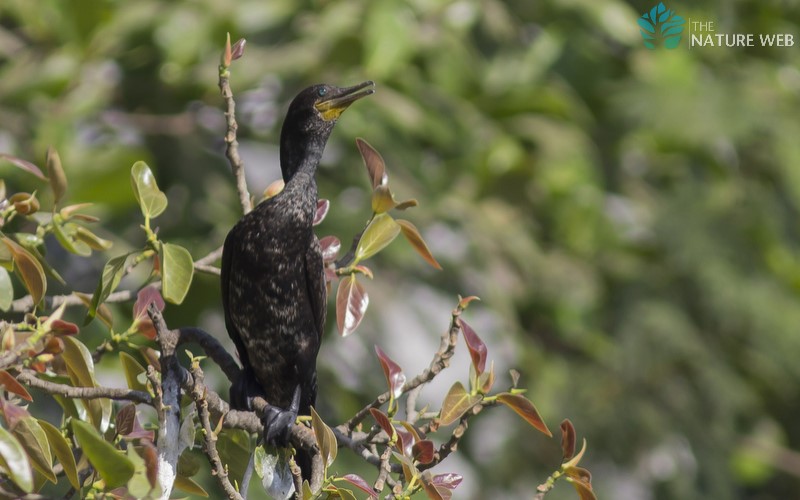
273,286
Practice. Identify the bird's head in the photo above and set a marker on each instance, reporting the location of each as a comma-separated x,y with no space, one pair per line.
310,120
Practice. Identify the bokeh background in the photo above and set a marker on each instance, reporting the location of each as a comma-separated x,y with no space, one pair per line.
628,216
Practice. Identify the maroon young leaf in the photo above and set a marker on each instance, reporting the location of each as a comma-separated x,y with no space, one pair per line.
12,413
12,385
237,51
61,327
405,441
525,409
361,484
477,349
449,480
456,403
567,439
412,235
323,206
23,164
433,491
423,451
330,246
376,168
393,373
486,380
146,296
351,304
383,421
126,416
25,203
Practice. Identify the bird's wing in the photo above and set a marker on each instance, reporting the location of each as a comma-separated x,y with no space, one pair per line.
229,251
315,281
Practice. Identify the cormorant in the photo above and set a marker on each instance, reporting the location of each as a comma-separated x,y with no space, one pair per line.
273,286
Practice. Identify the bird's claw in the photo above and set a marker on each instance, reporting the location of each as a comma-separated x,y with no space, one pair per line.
278,423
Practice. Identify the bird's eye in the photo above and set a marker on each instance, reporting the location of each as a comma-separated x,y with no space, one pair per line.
322,91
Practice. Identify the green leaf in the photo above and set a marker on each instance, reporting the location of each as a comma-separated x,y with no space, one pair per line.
55,173
95,242
151,200
62,451
378,234
29,269
66,234
132,370
112,275
456,403
6,290
15,461
34,441
80,369
177,269
111,464
525,409
326,440
190,486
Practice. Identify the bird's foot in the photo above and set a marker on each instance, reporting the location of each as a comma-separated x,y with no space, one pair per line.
278,422
244,390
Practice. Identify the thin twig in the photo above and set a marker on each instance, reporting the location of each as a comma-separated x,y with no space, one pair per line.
29,377
198,392
440,361
232,145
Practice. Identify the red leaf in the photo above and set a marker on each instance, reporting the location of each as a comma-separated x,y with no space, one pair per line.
376,168
351,304
150,455
477,349
359,483
393,373
525,409
146,296
449,481
411,233
125,418
330,246
405,442
12,413
61,327
237,50
12,385
23,164
423,451
322,210
383,421
567,439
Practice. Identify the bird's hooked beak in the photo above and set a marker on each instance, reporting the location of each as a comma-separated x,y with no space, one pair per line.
336,102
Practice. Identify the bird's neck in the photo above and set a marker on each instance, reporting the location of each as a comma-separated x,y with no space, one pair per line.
300,156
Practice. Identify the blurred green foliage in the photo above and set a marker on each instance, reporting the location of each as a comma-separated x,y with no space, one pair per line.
629,217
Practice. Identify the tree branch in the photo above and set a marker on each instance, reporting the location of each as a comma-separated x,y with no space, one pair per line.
29,377
232,145
198,393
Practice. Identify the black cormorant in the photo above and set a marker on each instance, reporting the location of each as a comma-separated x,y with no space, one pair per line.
273,286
